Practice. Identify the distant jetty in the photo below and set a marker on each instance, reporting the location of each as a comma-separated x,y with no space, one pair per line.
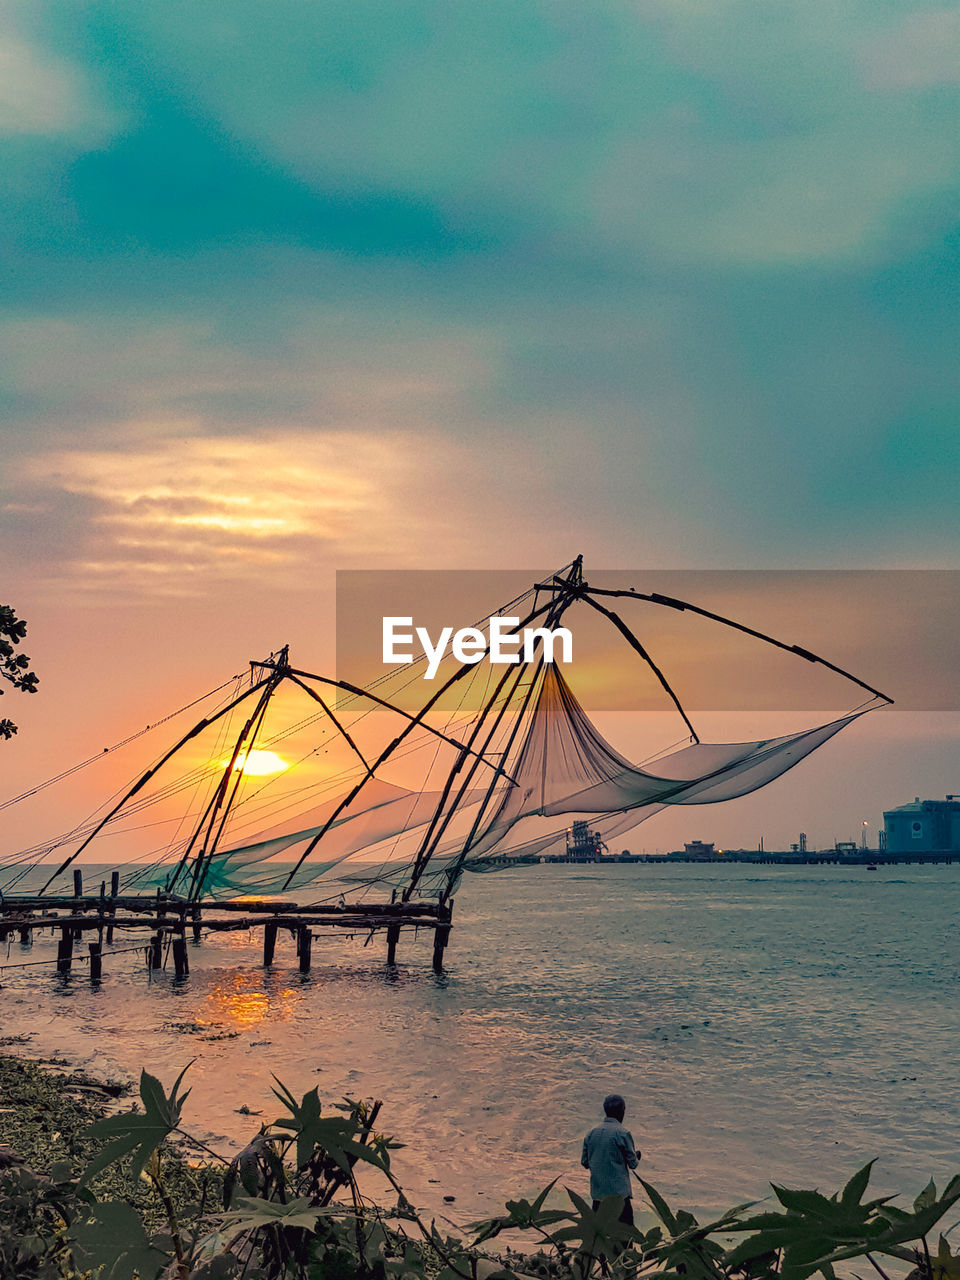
764,857
924,831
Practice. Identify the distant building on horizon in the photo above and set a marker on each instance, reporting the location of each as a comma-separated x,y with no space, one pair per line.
700,851
696,851
584,845
925,826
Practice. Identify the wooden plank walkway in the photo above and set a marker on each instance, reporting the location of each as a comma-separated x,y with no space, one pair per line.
163,920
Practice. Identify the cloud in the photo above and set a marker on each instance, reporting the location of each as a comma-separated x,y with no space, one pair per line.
709,134
177,514
918,51
184,511
174,454
42,93
680,265
333,365
771,151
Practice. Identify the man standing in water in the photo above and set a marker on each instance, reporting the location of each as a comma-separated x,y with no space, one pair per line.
609,1154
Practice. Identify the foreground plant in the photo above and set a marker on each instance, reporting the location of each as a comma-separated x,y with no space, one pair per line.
291,1208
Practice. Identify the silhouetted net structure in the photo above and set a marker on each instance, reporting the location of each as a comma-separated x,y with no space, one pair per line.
496,765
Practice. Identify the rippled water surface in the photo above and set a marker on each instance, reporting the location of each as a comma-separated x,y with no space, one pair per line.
762,1022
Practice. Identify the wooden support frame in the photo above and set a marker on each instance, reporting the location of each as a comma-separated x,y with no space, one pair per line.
304,947
442,936
163,919
65,950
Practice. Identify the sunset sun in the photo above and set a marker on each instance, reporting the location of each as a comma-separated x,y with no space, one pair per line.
259,764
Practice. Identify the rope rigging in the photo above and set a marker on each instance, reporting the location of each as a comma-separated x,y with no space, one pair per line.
501,778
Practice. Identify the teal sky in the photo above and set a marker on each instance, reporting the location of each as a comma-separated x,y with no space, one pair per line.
322,284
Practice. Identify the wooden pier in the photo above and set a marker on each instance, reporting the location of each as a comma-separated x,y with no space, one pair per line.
158,924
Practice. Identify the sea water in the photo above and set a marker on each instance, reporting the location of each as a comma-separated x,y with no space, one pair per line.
763,1023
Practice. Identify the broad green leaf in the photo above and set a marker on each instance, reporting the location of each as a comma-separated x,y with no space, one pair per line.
541,1198
595,1228
578,1201
374,1240
926,1198
767,1241
894,1216
112,1237
456,1272
152,1095
761,1221
139,1135
524,1214
156,1103
140,1139
660,1206
248,1215
486,1228
336,1136
811,1202
285,1096
852,1193
920,1223
895,1231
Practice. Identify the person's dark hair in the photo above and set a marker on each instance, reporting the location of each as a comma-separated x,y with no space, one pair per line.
614,1105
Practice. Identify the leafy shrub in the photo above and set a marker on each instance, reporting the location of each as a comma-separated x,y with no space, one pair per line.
293,1209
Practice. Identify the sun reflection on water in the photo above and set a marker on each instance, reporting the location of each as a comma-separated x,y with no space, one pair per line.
239,1000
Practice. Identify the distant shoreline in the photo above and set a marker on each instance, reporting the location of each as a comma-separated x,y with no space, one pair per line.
752,857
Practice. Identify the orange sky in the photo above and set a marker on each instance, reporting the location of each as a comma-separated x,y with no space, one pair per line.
110,665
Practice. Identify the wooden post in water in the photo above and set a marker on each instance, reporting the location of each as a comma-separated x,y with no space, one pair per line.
156,951
393,937
65,949
77,893
26,936
304,946
441,936
180,962
96,962
269,942
114,890
101,910
197,921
